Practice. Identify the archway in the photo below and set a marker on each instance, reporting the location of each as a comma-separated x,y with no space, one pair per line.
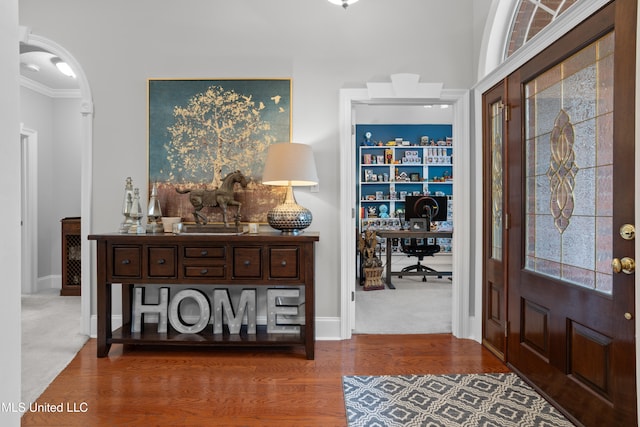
86,113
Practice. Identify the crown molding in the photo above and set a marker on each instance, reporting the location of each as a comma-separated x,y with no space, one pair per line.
47,91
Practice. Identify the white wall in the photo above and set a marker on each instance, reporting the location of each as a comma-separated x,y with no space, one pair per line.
57,121
65,164
35,113
10,212
482,12
319,45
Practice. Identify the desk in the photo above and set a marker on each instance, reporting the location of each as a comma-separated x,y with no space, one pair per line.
249,260
402,234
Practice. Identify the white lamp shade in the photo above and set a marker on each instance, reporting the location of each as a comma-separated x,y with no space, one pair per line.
289,163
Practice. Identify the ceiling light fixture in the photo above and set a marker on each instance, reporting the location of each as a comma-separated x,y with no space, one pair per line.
63,67
31,67
344,3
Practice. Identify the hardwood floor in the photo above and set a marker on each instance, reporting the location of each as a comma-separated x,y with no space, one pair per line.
261,387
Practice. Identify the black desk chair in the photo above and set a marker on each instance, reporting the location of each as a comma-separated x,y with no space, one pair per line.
418,250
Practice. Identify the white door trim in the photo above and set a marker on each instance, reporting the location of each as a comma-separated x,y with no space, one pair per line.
29,208
462,298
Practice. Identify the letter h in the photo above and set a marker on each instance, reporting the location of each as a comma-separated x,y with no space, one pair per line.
139,308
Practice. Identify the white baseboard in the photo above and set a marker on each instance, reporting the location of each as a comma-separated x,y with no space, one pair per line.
53,281
327,328
116,322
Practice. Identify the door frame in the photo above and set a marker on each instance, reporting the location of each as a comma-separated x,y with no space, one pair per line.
29,208
463,315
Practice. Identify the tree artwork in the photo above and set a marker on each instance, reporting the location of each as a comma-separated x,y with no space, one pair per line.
202,130
216,129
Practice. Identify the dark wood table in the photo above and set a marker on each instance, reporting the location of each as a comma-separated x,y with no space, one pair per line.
246,260
405,234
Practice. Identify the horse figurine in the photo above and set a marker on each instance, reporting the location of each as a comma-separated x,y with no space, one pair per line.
222,197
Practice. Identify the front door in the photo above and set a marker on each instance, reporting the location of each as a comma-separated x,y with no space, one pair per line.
570,168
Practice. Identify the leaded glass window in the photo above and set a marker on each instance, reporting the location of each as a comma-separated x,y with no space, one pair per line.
530,17
496,180
569,166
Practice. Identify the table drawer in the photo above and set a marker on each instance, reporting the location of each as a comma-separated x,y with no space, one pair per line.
209,271
204,252
127,261
283,263
162,262
247,262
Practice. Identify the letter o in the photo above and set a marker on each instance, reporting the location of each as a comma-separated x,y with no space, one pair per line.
203,304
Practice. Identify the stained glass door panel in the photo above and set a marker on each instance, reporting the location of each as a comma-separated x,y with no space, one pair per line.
568,168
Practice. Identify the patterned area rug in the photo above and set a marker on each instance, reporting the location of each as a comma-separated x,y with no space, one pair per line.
488,400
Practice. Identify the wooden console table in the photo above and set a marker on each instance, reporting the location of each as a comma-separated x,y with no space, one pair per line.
249,260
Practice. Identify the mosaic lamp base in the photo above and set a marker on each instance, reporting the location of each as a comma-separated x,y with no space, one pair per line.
289,217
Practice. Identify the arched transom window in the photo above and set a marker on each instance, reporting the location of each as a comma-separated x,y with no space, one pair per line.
530,17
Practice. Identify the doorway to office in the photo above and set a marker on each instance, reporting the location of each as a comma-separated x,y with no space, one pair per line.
403,153
353,100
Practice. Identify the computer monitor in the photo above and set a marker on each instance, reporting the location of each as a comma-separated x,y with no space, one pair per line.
433,208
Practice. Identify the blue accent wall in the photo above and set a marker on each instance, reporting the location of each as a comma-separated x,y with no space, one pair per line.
410,133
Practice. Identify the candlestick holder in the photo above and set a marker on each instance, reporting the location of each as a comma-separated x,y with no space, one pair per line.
154,212
126,206
136,214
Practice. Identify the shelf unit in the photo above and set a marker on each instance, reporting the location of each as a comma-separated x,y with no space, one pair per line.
402,160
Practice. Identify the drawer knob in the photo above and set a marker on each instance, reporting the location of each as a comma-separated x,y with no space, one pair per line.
204,253
161,261
126,261
204,271
247,263
283,263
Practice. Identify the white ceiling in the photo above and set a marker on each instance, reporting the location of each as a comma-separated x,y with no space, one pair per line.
47,74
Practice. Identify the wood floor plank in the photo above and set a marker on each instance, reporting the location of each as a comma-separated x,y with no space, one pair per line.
245,387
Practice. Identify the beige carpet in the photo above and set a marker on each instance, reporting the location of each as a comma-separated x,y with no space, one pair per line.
50,339
414,307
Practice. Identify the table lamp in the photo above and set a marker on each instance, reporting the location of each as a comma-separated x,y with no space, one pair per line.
289,164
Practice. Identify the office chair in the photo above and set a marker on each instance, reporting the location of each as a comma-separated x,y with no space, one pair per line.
418,250
424,207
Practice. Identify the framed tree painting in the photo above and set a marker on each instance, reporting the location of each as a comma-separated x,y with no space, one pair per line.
203,130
